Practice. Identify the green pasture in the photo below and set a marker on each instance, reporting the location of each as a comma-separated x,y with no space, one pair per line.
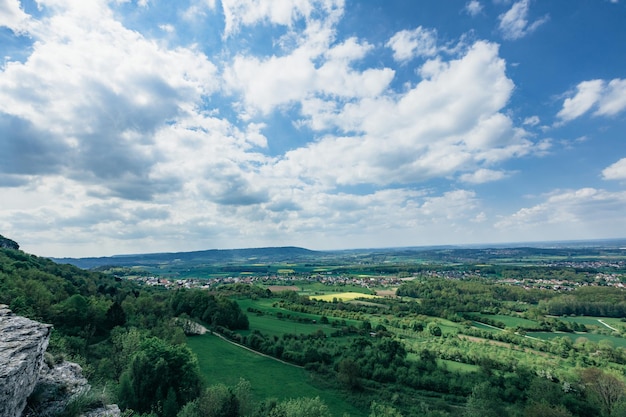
615,341
593,321
223,362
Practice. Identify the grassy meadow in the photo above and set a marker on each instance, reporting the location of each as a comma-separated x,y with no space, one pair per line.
226,363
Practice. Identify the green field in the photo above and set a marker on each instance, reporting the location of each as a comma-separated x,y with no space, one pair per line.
616,341
223,362
593,321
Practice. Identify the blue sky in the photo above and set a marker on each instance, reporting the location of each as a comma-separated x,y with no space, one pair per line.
151,125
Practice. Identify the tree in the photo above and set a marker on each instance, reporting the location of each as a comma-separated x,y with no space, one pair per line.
382,410
349,373
434,329
604,388
301,407
483,403
156,369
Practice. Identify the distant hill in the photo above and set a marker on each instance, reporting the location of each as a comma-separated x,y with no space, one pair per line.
291,254
212,256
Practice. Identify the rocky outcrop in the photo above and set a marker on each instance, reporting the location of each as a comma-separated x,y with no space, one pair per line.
6,243
23,343
48,388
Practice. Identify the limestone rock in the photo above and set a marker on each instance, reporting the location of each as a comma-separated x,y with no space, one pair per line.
62,386
55,389
23,343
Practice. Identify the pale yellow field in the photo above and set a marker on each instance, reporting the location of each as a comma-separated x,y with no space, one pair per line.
342,296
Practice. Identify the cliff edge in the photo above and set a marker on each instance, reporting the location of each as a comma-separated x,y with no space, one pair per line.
23,343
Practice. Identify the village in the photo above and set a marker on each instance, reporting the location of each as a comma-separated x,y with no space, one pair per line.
379,281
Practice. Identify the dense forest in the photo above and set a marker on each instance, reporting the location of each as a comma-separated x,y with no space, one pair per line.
442,347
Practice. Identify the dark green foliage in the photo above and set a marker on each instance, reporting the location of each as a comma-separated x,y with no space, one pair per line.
217,311
589,301
156,372
483,403
301,407
383,410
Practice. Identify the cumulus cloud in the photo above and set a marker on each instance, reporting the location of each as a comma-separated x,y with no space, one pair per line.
608,99
449,122
616,171
314,69
514,23
409,44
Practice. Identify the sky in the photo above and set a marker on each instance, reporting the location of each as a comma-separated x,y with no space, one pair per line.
136,126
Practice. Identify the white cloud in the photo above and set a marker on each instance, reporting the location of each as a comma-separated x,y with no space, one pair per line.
278,12
514,23
268,83
167,28
409,44
90,97
572,214
13,17
616,171
587,95
608,99
483,175
613,100
473,8
447,123
532,121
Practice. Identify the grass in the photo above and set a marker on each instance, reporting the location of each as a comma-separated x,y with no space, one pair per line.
593,321
223,362
482,326
510,321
